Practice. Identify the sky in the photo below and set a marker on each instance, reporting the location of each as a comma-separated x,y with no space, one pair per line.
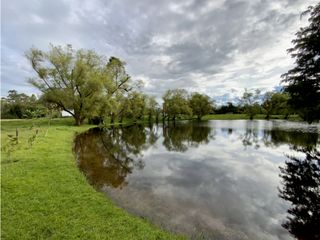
216,47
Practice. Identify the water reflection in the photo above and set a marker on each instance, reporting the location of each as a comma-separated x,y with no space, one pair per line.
215,180
180,137
301,187
293,138
107,156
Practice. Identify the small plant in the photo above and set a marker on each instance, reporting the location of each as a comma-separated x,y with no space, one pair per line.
11,144
32,139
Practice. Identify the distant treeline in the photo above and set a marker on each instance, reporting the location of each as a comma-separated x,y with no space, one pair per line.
20,105
177,103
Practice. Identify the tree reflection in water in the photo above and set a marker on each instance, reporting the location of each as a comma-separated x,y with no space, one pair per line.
180,137
276,137
301,186
107,156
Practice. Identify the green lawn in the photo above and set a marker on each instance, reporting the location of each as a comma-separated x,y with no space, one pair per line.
44,196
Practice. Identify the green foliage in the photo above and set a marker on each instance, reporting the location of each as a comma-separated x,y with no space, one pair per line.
116,88
229,108
152,108
200,104
135,106
10,145
72,80
20,105
276,103
175,103
267,104
250,102
303,82
117,80
280,104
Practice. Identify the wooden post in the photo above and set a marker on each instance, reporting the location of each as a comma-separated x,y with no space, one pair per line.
17,135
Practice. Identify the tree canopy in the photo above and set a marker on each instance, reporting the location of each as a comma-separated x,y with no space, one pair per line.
303,81
81,82
250,102
175,103
68,78
20,105
200,104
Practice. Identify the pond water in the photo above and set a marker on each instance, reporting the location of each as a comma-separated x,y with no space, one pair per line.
208,180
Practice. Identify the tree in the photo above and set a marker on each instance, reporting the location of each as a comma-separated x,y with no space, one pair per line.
229,108
135,105
250,102
70,79
20,105
117,78
117,87
280,104
200,105
152,108
303,81
175,103
268,104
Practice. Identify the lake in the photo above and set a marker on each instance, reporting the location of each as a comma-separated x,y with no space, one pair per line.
207,180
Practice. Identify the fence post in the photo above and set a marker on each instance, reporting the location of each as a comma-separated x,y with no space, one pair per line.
17,135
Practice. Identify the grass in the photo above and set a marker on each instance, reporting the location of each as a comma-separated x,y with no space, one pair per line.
44,196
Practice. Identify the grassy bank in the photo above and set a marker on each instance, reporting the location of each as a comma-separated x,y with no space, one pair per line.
44,196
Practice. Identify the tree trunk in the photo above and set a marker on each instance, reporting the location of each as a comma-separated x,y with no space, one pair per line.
78,119
286,116
199,118
268,116
112,118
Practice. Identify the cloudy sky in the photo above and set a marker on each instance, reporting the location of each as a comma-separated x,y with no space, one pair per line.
218,47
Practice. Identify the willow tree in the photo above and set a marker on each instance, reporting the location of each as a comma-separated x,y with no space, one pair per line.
175,103
135,106
70,79
116,89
